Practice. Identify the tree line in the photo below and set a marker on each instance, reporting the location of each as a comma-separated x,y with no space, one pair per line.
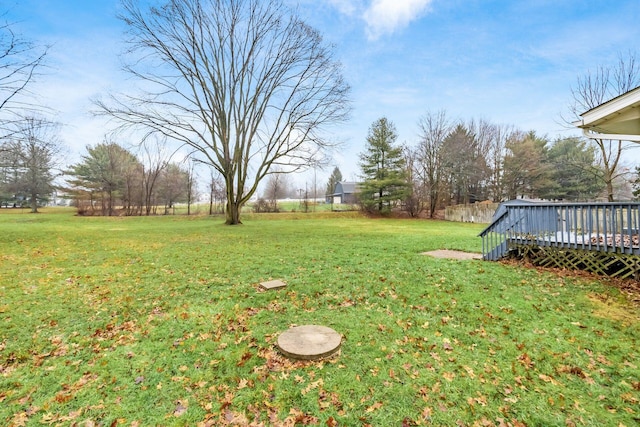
458,162
111,180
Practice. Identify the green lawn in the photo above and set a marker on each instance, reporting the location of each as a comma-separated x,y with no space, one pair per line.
159,321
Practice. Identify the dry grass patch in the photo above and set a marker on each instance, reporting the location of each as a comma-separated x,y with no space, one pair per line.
608,307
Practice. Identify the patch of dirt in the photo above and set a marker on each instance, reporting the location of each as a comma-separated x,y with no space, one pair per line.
450,254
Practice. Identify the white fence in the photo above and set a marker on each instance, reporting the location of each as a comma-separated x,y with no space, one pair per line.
477,212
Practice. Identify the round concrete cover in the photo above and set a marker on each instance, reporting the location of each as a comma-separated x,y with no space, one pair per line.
309,342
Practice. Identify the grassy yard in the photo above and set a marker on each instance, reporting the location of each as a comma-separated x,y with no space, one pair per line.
159,321
287,206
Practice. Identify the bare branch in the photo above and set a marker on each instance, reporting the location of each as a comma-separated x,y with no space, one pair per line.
20,60
596,88
244,83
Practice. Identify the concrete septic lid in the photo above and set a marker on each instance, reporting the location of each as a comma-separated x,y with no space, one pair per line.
273,284
309,342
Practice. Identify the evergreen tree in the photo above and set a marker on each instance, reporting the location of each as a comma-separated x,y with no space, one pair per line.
383,169
28,161
336,176
103,175
464,167
575,174
527,172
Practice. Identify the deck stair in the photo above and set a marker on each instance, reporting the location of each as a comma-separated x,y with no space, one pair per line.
599,237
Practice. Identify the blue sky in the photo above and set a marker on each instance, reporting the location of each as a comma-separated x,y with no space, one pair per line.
508,62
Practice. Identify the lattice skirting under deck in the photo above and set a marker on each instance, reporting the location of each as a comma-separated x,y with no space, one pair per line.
603,263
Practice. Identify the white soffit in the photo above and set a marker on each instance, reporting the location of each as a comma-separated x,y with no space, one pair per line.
618,118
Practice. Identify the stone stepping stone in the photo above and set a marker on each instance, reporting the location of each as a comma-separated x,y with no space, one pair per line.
309,342
447,253
272,284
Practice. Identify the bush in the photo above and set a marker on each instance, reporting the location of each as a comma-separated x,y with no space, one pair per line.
264,206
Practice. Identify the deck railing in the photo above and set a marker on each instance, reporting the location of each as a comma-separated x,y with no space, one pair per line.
604,227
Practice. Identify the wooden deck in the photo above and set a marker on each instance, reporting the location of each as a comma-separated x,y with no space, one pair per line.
602,238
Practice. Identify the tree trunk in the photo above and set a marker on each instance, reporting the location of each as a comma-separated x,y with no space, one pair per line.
433,202
34,203
611,169
233,213
610,192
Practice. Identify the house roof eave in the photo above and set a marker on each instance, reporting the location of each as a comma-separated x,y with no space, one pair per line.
617,119
611,136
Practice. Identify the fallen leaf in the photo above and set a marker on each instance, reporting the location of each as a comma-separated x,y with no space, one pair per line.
427,413
449,376
20,419
470,372
245,356
548,379
181,408
525,360
408,422
374,407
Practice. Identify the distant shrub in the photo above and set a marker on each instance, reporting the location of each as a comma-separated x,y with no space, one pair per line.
264,206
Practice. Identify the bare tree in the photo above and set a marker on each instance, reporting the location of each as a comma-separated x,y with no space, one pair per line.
245,83
415,202
192,188
216,191
484,134
277,187
597,87
626,73
172,186
155,161
19,62
132,189
495,159
434,128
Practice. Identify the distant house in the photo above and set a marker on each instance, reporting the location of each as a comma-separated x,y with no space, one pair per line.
345,193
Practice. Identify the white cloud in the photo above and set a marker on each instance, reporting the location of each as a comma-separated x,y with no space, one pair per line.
347,7
387,16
